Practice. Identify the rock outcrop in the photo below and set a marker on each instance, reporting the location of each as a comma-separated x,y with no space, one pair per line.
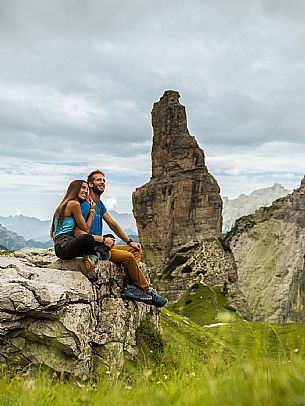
181,204
208,263
243,205
269,248
52,315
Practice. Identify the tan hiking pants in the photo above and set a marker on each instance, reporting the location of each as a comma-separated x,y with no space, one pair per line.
130,258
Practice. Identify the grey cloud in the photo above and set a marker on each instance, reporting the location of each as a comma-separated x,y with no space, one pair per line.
239,67
239,119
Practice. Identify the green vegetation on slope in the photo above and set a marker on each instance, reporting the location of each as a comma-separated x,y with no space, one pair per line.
236,363
6,252
203,306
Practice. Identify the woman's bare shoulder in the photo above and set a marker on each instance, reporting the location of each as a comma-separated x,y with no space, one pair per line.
72,206
73,203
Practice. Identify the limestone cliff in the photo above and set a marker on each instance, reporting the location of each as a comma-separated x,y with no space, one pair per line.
208,263
269,248
243,205
181,204
52,315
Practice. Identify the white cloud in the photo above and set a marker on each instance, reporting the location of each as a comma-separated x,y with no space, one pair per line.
242,170
78,80
111,203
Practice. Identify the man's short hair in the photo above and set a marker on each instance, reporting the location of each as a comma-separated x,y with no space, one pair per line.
90,177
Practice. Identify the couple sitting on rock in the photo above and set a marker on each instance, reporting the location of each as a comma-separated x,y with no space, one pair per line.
77,231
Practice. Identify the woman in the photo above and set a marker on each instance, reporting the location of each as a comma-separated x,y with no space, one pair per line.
67,217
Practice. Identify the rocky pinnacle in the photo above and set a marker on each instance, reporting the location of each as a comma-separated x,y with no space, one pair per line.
181,204
174,149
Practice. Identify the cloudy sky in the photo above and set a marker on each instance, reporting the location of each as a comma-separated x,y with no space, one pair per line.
78,79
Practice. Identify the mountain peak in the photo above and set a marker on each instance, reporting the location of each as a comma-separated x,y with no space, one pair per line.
248,204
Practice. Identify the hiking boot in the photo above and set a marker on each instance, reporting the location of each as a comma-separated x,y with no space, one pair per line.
90,261
157,300
133,293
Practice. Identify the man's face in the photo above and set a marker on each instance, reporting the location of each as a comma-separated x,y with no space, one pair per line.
98,184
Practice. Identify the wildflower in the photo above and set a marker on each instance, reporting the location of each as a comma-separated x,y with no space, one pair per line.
166,377
193,373
225,317
85,399
296,350
29,383
107,372
147,373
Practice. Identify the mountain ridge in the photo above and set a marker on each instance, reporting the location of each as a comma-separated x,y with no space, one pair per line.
19,231
12,241
36,231
248,204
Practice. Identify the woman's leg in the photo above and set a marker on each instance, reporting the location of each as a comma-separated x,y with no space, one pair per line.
75,247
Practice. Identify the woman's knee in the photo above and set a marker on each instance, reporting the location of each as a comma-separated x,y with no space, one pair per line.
88,239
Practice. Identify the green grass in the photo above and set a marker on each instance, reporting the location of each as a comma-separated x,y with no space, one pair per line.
6,252
203,306
238,363
207,306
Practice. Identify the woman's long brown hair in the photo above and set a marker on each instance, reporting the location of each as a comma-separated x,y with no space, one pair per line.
71,194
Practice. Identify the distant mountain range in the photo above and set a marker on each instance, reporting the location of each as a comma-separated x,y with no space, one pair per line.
27,227
244,204
12,241
22,231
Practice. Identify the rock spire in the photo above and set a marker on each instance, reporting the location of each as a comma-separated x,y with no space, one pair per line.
181,203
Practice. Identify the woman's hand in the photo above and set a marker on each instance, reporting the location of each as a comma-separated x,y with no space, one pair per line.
91,202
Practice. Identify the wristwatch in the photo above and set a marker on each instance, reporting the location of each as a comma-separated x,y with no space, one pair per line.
129,241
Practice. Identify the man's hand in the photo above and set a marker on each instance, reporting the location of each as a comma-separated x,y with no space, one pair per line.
137,246
109,242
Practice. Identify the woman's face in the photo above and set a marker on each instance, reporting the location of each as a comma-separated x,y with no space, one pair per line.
83,193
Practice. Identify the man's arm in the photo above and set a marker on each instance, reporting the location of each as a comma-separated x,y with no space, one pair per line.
115,227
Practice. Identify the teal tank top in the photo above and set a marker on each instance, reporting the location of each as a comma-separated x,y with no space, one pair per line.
67,226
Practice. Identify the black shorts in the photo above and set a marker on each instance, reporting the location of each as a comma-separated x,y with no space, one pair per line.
67,246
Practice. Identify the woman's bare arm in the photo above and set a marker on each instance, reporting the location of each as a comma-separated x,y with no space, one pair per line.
73,208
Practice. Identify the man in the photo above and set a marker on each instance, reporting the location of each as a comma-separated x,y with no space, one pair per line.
129,256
